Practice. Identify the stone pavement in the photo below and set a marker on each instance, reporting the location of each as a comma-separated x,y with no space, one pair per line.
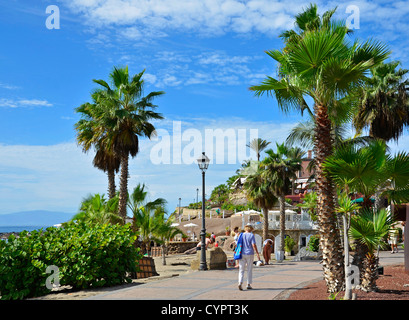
274,281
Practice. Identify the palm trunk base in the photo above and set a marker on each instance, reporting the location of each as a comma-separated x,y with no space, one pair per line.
370,274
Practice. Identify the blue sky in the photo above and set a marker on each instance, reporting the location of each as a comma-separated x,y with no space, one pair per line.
203,53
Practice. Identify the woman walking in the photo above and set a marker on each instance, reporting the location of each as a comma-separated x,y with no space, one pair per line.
247,256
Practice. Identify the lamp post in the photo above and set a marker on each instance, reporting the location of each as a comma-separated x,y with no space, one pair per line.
203,162
179,205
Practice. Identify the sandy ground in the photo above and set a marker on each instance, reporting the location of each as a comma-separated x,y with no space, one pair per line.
175,265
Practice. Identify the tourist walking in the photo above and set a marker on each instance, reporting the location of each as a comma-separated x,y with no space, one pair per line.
247,242
393,239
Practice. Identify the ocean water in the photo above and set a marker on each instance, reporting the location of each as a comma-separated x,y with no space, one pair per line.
20,228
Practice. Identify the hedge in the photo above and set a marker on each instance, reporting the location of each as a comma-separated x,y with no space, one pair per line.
101,255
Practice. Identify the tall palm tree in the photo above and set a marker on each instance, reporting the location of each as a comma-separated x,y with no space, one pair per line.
127,119
307,20
383,103
109,163
279,168
260,191
258,145
87,128
321,64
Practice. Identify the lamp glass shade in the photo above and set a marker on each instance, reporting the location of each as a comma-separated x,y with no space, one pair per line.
203,162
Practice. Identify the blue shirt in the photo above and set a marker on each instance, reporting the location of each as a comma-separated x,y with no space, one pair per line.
248,240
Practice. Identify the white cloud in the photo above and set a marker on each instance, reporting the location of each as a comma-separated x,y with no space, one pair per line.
8,86
57,177
208,17
215,67
14,103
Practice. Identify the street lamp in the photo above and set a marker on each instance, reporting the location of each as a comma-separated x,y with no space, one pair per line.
203,162
179,206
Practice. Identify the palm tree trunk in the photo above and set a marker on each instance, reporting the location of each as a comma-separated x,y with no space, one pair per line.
111,183
123,191
281,200
370,273
329,235
164,248
348,287
265,226
359,257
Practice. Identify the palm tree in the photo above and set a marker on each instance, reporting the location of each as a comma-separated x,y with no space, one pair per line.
383,103
309,202
308,20
258,145
279,168
109,163
346,207
147,215
127,118
96,210
87,128
259,190
366,170
369,228
321,64
164,230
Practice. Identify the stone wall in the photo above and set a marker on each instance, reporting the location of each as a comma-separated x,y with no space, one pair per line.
216,259
180,246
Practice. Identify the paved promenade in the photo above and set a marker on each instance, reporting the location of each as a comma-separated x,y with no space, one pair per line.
270,282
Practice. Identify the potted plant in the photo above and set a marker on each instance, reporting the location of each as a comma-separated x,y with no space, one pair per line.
184,237
228,231
288,245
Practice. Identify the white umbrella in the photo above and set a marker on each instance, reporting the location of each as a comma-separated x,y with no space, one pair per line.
277,211
174,224
190,225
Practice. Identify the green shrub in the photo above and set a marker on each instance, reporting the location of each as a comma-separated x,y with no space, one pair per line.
314,243
288,244
100,255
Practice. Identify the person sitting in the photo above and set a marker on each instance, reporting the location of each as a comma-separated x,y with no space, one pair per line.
208,241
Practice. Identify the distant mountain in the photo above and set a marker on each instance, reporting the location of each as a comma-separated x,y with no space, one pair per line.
34,218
